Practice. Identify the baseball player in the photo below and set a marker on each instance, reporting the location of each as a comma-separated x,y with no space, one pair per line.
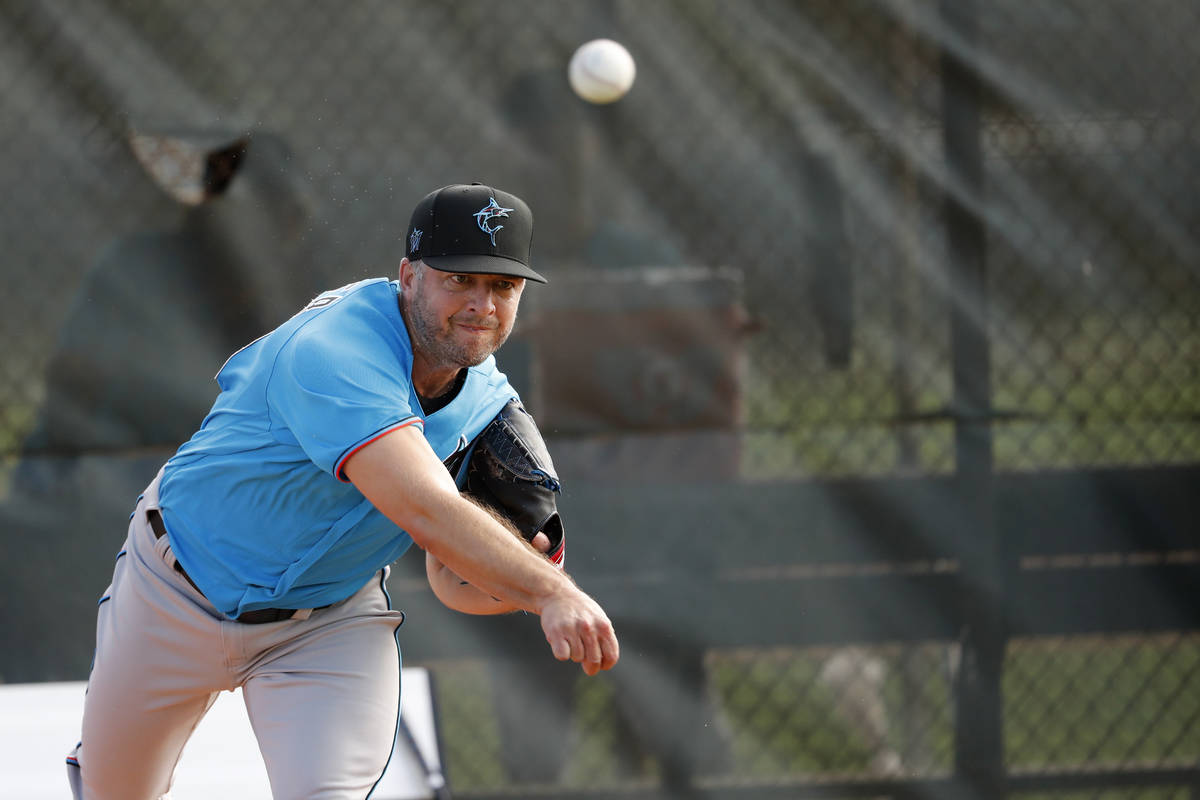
257,557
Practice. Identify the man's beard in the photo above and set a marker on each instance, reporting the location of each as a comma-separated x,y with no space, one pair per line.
436,341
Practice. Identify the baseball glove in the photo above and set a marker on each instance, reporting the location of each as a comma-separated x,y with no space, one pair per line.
508,468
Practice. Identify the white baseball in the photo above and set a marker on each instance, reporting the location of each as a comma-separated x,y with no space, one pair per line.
601,71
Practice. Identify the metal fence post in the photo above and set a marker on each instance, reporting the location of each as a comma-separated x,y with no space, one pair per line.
979,745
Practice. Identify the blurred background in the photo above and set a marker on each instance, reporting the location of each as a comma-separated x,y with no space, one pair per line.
870,360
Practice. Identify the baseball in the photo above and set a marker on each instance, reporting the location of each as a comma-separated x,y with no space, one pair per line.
601,71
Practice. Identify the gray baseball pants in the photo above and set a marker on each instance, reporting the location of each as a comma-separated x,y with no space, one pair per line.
322,693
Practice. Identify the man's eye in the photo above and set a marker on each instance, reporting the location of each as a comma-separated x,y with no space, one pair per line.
459,279
505,286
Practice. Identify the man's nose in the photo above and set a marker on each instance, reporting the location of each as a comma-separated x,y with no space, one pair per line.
482,300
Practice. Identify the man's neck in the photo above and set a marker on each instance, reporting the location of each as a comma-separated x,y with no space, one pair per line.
431,381
433,402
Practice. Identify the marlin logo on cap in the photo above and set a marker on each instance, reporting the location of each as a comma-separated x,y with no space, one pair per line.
485,215
414,240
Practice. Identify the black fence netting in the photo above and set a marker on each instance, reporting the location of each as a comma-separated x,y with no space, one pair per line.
870,359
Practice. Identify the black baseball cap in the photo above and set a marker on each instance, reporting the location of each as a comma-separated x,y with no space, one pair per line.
473,228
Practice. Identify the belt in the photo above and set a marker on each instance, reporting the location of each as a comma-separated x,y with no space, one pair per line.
258,616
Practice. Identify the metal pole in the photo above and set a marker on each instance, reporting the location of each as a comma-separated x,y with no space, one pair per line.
979,745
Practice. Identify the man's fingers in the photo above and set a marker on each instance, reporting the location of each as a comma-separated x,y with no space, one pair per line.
541,542
581,634
561,649
601,649
611,651
570,648
593,654
602,653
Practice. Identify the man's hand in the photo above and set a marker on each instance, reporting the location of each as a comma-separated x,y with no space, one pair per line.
578,630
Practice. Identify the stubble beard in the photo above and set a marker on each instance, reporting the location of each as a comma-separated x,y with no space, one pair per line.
435,338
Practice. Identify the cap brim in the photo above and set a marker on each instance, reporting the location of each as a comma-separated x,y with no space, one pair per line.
483,265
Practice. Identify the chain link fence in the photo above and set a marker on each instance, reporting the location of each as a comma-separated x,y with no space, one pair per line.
752,284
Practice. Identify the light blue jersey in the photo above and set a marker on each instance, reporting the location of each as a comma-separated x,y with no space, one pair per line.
259,511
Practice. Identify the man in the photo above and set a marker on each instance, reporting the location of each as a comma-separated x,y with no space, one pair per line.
257,557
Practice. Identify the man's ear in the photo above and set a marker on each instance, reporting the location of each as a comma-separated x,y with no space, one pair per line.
407,273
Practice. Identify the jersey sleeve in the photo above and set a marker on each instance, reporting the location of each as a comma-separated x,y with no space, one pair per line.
334,395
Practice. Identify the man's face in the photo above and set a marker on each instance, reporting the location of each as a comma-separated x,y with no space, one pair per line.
458,319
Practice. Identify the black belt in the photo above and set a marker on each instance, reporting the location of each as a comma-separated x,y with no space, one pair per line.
257,617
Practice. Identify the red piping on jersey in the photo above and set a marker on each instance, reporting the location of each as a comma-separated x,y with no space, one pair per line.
375,438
